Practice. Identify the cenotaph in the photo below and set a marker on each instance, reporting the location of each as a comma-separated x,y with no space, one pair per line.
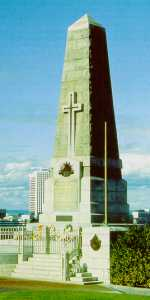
75,191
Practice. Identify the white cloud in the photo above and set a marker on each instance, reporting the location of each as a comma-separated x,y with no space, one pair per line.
14,198
135,163
15,171
14,184
17,166
11,188
139,198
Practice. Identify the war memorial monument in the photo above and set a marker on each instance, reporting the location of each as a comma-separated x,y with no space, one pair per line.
85,193
75,191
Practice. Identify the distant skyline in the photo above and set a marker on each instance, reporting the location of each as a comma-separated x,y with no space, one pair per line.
33,37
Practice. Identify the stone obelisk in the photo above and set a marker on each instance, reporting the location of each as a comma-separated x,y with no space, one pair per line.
75,190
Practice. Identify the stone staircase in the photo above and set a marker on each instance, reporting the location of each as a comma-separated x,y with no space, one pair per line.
6,270
84,278
40,267
49,267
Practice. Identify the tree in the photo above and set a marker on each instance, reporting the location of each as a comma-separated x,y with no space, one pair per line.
130,257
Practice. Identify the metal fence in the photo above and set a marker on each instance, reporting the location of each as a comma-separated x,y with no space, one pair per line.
11,239
43,240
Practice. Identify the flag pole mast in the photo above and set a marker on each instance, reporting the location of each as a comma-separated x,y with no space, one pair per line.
105,174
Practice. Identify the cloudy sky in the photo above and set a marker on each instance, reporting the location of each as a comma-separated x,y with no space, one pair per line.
32,43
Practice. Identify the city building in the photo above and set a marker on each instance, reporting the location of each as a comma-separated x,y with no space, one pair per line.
141,216
2,213
36,191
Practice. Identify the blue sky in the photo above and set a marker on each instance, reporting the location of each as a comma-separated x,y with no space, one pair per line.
32,43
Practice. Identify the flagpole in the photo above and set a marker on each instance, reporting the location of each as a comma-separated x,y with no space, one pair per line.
105,174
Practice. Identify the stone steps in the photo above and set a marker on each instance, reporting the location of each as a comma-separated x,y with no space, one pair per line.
39,263
6,269
31,269
84,278
35,277
40,267
37,267
49,268
45,258
40,273
84,274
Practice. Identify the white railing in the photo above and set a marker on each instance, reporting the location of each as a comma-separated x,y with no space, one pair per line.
42,240
10,233
53,241
10,239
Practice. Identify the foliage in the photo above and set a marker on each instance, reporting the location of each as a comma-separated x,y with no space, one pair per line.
68,228
130,258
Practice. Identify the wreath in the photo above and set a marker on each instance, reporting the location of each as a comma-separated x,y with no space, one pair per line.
68,228
95,243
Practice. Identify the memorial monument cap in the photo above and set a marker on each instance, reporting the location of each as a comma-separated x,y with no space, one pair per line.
84,22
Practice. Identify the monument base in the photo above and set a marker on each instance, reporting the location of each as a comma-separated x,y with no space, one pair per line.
96,252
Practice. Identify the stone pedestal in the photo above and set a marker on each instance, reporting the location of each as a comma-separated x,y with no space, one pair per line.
97,261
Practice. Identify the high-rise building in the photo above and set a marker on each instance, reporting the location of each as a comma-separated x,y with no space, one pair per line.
36,190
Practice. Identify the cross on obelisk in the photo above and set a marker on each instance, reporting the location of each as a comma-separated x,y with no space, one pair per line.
72,108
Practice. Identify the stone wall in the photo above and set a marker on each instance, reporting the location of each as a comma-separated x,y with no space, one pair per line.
7,264
97,261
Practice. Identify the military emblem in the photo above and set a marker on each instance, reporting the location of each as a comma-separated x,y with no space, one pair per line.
66,170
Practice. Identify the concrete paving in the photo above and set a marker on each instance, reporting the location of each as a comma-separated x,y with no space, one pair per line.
130,290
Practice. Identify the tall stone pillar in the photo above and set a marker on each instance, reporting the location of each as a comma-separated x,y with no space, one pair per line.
75,190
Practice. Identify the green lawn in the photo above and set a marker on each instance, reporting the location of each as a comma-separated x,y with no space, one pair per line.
26,290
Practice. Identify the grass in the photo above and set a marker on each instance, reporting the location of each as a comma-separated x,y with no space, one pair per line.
34,290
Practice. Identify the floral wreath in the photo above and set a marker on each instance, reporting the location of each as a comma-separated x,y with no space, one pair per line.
95,243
